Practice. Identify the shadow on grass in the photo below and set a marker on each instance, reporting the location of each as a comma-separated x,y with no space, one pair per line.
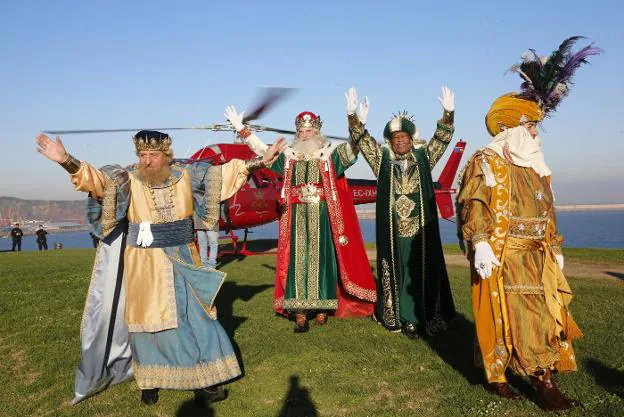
298,402
610,379
617,275
230,292
191,409
456,347
229,258
258,246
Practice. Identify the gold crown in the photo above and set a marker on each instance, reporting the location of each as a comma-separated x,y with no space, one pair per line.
151,141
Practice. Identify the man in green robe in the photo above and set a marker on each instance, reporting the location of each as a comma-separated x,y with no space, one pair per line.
413,290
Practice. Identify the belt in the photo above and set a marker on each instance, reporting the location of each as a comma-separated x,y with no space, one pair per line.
533,228
307,193
179,232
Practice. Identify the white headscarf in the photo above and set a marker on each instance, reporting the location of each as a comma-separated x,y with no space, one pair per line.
525,150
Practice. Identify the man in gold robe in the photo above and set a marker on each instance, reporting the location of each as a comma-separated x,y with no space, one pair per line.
506,207
174,337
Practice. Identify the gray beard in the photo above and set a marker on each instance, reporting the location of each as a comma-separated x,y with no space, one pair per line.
154,178
309,146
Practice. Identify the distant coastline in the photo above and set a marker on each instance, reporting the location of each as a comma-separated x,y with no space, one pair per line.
590,207
369,213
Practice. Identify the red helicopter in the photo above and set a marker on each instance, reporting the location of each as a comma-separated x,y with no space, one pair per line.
257,202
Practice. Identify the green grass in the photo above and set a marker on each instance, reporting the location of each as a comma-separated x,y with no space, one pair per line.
348,368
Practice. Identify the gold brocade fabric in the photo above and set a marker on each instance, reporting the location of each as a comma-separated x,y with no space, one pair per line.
149,280
152,307
521,311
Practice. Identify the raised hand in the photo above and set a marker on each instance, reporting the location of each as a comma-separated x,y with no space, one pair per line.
363,111
448,99
352,100
274,151
53,150
234,118
352,105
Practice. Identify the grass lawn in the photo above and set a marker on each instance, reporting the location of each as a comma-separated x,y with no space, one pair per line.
348,368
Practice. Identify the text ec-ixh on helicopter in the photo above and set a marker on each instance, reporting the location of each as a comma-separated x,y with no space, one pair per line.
258,201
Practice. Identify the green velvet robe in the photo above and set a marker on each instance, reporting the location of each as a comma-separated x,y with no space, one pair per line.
412,282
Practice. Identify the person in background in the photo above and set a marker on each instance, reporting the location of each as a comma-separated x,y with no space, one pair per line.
208,241
16,234
42,240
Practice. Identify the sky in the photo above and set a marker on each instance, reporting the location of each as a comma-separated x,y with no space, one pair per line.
103,65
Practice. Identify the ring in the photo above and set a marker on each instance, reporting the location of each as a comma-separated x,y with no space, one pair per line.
481,265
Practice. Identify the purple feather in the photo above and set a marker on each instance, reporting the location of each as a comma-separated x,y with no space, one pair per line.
548,81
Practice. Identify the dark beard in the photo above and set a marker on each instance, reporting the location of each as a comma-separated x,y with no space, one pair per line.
154,177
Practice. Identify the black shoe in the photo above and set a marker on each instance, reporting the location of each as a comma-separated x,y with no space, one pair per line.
410,330
149,396
206,396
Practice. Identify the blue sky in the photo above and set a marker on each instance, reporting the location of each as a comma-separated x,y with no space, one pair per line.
74,65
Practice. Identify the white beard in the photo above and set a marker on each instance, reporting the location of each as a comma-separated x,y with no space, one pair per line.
525,150
310,146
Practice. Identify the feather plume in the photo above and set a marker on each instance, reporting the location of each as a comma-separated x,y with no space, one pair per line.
547,80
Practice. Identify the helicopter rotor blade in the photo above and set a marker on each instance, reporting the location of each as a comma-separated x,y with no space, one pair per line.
269,97
213,127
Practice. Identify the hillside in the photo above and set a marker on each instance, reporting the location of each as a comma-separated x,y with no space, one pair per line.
12,208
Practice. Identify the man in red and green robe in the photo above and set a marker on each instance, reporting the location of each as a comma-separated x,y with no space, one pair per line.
322,265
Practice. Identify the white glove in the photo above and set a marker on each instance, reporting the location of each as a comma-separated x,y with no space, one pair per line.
484,259
352,100
448,99
352,105
145,237
559,259
234,118
363,112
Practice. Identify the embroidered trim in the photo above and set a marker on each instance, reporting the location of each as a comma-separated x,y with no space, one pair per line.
346,154
199,376
309,304
479,237
212,193
524,289
533,228
359,292
314,240
439,143
109,205
388,312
